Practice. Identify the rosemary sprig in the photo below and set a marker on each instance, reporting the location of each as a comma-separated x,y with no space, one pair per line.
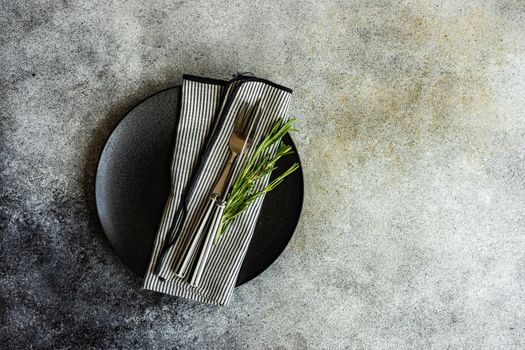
260,164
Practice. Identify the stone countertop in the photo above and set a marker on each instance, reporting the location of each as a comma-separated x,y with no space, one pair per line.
412,119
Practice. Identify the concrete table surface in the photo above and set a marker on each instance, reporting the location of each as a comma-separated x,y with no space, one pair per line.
412,119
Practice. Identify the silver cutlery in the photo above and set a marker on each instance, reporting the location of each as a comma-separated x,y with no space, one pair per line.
192,258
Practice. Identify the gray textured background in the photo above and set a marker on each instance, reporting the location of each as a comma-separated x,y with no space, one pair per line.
413,146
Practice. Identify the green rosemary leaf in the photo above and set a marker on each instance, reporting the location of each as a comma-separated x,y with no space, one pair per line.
260,164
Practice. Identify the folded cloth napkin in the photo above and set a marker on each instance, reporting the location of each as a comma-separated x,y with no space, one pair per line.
209,108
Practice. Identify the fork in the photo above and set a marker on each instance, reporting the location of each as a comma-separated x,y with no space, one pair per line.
240,141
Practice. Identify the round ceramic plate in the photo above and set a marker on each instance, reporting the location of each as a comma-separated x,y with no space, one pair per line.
133,181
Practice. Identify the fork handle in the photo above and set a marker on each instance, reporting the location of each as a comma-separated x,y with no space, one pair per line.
220,185
190,250
200,263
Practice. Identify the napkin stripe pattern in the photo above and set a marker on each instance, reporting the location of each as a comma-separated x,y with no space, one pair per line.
203,102
208,112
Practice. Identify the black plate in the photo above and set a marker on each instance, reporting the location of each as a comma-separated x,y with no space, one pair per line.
133,182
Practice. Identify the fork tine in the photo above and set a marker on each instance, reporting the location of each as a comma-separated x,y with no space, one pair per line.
237,127
252,124
251,119
254,116
249,133
246,120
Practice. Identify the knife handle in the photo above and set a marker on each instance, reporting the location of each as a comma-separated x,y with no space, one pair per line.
198,270
190,250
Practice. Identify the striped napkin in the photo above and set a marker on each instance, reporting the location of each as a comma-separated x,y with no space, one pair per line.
209,108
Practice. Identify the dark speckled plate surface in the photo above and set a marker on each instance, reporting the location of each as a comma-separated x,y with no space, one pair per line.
133,182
